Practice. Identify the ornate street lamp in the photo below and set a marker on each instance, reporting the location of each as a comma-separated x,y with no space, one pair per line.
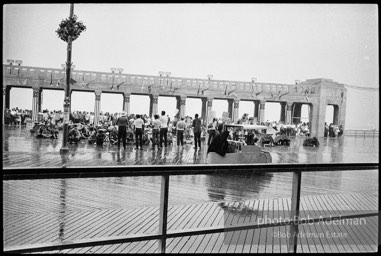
69,30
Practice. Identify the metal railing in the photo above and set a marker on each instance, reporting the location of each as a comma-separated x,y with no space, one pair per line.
362,133
165,172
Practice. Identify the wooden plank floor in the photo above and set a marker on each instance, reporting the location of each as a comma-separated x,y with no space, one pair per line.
21,229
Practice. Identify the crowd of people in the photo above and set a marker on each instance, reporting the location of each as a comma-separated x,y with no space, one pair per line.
17,117
159,131
333,131
121,129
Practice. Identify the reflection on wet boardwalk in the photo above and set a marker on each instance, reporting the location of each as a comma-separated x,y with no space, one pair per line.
20,149
39,211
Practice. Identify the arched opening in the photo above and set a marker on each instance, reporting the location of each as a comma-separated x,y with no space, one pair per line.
53,99
112,103
305,114
272,111
139,104
246,107
329,110
82,101
21,98
168,104
193,106
219,107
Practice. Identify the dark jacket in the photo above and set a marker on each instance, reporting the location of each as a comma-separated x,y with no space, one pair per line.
220,144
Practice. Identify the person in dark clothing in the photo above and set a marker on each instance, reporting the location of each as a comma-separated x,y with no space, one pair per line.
122,123
311,142
197,131
220,144
100,137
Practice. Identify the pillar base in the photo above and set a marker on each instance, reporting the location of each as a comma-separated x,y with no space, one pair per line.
64,150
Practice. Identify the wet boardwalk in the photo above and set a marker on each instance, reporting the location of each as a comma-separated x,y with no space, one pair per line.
39,211
323,237
20,149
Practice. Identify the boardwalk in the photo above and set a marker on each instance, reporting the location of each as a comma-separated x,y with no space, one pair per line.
20,149
62,210
74,226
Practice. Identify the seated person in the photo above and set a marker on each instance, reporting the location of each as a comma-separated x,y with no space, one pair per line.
219,144
311,142
100,137
282,140
113,136
250,138
267,139
40,131
92,135
54,132
74,135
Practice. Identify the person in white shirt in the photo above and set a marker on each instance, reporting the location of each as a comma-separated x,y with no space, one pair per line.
180,127
163,129
212,130
139,126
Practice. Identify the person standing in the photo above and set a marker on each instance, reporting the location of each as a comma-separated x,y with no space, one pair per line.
139,126
122,123
163,129
197,131
180,127
212,130
155,131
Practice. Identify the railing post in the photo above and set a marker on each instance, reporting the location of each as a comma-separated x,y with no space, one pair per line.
295,204
163,212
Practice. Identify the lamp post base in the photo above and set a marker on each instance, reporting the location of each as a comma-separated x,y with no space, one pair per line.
64,150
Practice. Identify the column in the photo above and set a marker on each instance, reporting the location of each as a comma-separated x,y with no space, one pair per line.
180,104
230,108
40,100
7,96
235,110
35,104
318,118
343,107
262,112
288,115
204,108
209,110
126,103
153,108
282,116
97,107
4,93
256,112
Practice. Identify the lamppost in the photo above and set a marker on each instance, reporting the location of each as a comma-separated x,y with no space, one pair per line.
69,30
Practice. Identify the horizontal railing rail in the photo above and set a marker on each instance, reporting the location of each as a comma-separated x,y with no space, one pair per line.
165,172
363,133
20,173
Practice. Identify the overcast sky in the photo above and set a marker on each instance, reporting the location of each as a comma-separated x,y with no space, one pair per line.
277,43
